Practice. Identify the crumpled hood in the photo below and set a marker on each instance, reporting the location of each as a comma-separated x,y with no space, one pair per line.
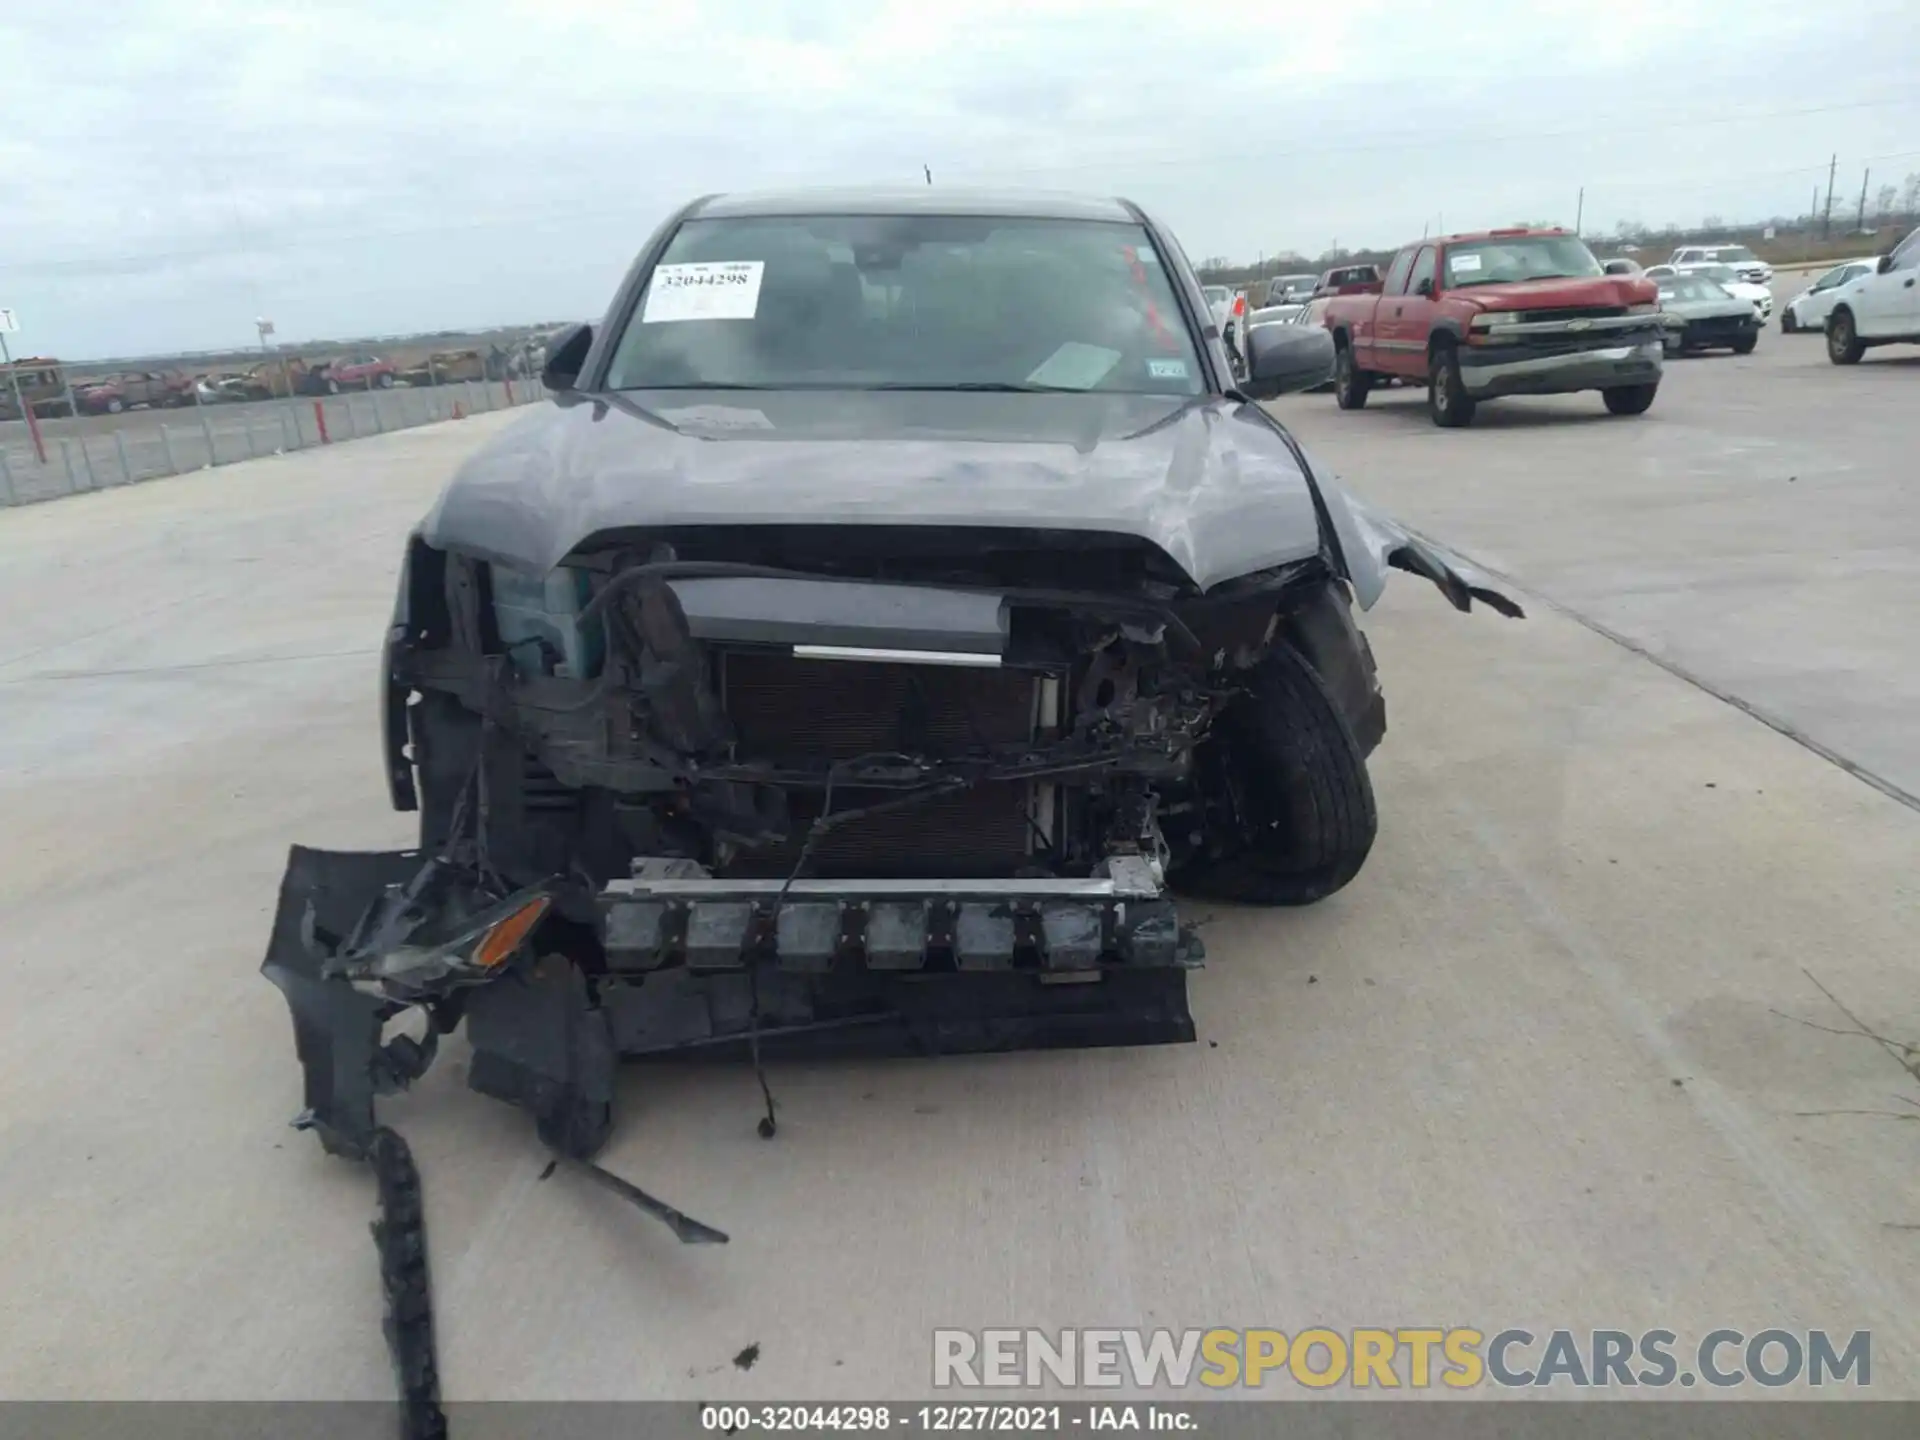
1553,294
1206,479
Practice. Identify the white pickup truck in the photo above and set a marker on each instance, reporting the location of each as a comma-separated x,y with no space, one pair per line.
1881,307
1748,265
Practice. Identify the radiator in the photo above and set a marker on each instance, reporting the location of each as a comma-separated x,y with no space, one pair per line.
798,712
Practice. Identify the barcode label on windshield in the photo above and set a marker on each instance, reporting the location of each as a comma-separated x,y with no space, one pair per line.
720,290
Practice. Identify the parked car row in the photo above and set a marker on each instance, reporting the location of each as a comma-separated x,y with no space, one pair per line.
1860,304
1532,311
49,389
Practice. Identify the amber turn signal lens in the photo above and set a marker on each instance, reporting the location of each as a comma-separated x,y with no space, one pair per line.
505,938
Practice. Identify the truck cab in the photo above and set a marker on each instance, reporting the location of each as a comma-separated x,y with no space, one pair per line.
1521,311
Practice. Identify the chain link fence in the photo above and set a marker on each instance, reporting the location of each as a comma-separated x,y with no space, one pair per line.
67,453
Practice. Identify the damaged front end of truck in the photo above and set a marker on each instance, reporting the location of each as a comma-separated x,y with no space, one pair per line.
754,789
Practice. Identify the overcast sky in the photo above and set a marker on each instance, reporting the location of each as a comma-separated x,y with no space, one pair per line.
170,170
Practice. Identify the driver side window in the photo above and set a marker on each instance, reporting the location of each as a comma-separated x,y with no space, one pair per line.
1397,275
1906,255
1423,272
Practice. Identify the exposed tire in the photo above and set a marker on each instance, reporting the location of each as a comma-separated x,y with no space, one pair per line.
1305,806
385,381
1844,346
1447,399
1788,325
116,405
1744,345
1351,384
1630,399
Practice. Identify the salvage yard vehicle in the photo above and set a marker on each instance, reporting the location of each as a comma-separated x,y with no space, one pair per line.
1290,289
41,384
1504,312
899,599
1745,264
134,389
1809,309
351,372
1701,315
1349,280
1879,308
1730,280
447,367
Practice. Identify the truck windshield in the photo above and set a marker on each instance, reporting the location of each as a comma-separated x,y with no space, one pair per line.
1521,257
1690,287
1731,255
920,302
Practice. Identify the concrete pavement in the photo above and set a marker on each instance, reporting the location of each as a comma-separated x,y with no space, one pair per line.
1525,1071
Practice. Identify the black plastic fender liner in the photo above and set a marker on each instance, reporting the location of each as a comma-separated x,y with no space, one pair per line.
336,1028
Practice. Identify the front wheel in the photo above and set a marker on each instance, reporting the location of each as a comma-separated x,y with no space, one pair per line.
1788,324
1447,398
386,381
1297,815
1350,382
1744,345
1630,399
116,405
1844,346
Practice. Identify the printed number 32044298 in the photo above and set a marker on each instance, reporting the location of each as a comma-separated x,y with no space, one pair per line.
720,290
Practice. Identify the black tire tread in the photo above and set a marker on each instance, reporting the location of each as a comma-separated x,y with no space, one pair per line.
1630,399
1290,727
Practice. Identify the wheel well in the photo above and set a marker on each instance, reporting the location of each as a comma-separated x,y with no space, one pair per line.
1441,340
1838,310
1340,340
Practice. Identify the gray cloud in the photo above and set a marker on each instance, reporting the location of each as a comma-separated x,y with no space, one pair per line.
366,167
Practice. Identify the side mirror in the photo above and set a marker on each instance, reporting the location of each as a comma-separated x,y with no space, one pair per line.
566,353
1425,287
1284,359
1886,263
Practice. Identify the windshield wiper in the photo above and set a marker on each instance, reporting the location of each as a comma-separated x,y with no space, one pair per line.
995,387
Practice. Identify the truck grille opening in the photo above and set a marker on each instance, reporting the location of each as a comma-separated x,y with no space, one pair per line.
1572,312
791,710
799,712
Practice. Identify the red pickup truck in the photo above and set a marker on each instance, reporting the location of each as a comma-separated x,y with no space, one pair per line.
1504,312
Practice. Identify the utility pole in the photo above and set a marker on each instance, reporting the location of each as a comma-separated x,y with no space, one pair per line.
1826,220
1861,223
1813,210
928,170
1579,209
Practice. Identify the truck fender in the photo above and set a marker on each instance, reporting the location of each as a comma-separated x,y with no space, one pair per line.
1371,544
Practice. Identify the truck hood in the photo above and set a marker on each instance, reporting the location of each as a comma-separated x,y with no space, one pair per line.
1555,294
1206,479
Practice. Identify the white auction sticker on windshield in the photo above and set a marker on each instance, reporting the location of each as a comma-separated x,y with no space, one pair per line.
1459,263
711,290
1167,369
1075,366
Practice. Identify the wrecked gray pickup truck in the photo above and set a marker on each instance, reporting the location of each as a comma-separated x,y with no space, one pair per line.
899,600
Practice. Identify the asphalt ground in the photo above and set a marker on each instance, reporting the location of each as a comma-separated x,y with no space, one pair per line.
1543,1064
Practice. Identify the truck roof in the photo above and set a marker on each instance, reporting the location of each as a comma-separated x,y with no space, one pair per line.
1512,232
916,200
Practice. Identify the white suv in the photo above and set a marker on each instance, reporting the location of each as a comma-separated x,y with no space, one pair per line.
1749,265
1880,308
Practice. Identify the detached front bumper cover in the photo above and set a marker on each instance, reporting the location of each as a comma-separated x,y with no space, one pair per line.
692,963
